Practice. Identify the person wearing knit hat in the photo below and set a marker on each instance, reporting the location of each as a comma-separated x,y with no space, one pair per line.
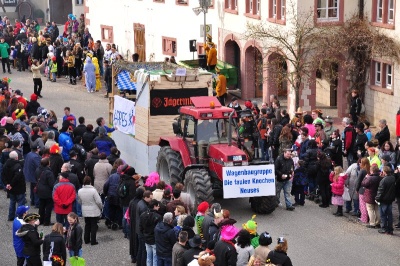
18,241
251,227
201,210
263,249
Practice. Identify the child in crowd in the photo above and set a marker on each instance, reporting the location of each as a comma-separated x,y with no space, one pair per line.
338,178
201,211
299,183
74,236
53,68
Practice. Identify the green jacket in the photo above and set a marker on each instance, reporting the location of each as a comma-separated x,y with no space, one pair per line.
4,48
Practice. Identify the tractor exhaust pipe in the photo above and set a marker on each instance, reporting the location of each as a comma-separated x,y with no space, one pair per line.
230,128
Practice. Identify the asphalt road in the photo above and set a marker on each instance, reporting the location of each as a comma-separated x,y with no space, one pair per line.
315,236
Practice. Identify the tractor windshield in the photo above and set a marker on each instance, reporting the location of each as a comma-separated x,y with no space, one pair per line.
213,130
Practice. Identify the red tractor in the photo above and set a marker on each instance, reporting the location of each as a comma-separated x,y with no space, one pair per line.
201,148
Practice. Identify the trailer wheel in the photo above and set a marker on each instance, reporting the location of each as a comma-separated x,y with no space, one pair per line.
264,205
169,165
198,185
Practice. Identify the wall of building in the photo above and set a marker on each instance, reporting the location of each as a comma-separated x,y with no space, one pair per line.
160,19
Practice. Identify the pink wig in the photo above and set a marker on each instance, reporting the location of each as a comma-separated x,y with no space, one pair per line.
152,180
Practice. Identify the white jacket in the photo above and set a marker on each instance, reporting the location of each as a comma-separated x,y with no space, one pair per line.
90,201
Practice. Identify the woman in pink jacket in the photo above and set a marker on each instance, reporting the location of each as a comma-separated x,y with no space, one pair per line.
338,178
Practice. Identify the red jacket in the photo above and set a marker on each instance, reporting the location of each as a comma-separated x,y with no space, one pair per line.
338,185
63,194
398,124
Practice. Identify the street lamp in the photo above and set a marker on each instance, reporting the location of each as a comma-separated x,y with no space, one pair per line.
204,5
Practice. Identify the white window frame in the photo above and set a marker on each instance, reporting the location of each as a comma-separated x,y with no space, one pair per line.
258,7
379,7
378,73
327,9
390,11
283,9
389,76
274,8
251,6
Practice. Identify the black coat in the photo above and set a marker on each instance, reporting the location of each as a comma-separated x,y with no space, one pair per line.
283,166
87,140
81,153
79,131
35,52
165,239
77,169
133,245
359,144
148,221
30,236
89,166
56,162
31,108
383,135
355,105
225,254
279,258
59,248
75,240
141,208
46,181
189,254
132,190
386,190
13,175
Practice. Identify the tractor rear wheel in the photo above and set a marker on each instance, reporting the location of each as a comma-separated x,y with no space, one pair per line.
264,205
169,165
198,185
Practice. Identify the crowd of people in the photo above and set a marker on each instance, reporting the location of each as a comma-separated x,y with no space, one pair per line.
76,171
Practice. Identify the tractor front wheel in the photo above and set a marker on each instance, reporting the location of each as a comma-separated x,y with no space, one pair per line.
198,185
169,165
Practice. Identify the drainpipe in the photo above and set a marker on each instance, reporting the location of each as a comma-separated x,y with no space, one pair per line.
361,5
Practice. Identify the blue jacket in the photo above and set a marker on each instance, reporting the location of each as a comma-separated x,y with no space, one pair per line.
65,141
32,162
18,242
104,144
165,239
110,188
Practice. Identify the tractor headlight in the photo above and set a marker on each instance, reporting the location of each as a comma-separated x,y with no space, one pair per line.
245,163
228,164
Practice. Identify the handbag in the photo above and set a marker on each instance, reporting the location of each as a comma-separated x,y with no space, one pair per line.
37,183
337,200
77,261
346,194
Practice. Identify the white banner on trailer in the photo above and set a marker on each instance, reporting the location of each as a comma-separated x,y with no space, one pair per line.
124,115
248,181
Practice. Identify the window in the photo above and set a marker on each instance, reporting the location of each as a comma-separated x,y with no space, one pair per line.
378,73
277,11
383,13
253,9
328,10
182,2
231,6
107,34
169,46
79,2
389,76
382,76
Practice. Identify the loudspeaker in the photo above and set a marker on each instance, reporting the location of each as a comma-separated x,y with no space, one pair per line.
202,61
192,45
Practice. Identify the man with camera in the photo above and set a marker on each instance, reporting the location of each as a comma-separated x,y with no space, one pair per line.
284,167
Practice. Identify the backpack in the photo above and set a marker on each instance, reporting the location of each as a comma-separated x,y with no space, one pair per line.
123,188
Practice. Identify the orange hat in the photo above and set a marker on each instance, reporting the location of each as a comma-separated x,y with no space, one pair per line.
54,149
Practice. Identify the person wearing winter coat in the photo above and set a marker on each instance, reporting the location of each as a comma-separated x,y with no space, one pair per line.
110,190
352,173
33,105
130,230
54,243
45,183
383,134
324,166
92,205
179,248
65,140
88,137
364,170
14,180
18,242
310,163
164,239
32,241
337,178
56,160
79,149
76,166
284,169
263,249
244,248
148,221
91,162
103,142
224,250
141,207
371,184
73,240
64,195
385,196
90,74
32,162
279,256
101,171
